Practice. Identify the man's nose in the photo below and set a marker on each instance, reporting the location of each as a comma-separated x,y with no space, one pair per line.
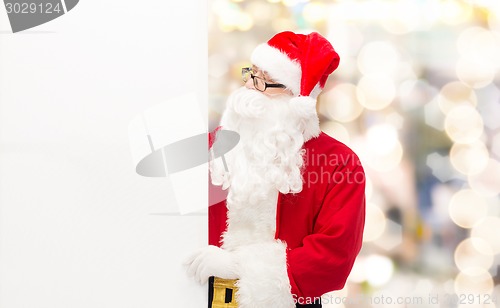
249,84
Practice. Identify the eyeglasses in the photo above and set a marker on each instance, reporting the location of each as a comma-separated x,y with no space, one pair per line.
258,82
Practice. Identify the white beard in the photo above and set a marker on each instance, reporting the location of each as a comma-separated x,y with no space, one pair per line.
267,160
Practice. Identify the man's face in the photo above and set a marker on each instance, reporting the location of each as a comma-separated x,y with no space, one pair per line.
258,73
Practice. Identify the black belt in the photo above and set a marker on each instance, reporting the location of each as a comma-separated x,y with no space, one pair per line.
317,304
222,294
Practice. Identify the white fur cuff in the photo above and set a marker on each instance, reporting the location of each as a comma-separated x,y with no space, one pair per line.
263,276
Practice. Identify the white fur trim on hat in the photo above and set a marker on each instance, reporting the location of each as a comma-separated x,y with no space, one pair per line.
279,67
316,91
263,276
305,106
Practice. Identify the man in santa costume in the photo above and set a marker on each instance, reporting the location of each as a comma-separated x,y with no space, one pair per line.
292,224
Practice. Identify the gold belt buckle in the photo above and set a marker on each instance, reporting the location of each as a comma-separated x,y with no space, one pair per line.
224,289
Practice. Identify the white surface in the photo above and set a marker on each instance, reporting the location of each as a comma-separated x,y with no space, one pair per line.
164,127
190,200
77,225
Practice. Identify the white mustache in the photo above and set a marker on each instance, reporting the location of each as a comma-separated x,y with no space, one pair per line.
248,103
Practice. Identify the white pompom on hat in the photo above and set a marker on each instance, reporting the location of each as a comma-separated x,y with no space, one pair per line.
302,62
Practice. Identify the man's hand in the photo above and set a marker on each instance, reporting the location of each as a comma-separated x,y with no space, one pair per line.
212,261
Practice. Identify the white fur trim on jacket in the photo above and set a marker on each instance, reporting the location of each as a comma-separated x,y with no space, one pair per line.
263,281
305,106
279,67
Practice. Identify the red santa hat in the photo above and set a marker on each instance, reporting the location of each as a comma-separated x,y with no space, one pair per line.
301,62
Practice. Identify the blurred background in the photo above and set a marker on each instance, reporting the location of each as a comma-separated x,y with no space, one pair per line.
417,97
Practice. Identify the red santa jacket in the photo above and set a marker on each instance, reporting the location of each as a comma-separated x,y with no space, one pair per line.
323,224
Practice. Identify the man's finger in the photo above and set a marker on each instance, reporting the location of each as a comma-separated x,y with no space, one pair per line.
193,267
190,258
201,268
